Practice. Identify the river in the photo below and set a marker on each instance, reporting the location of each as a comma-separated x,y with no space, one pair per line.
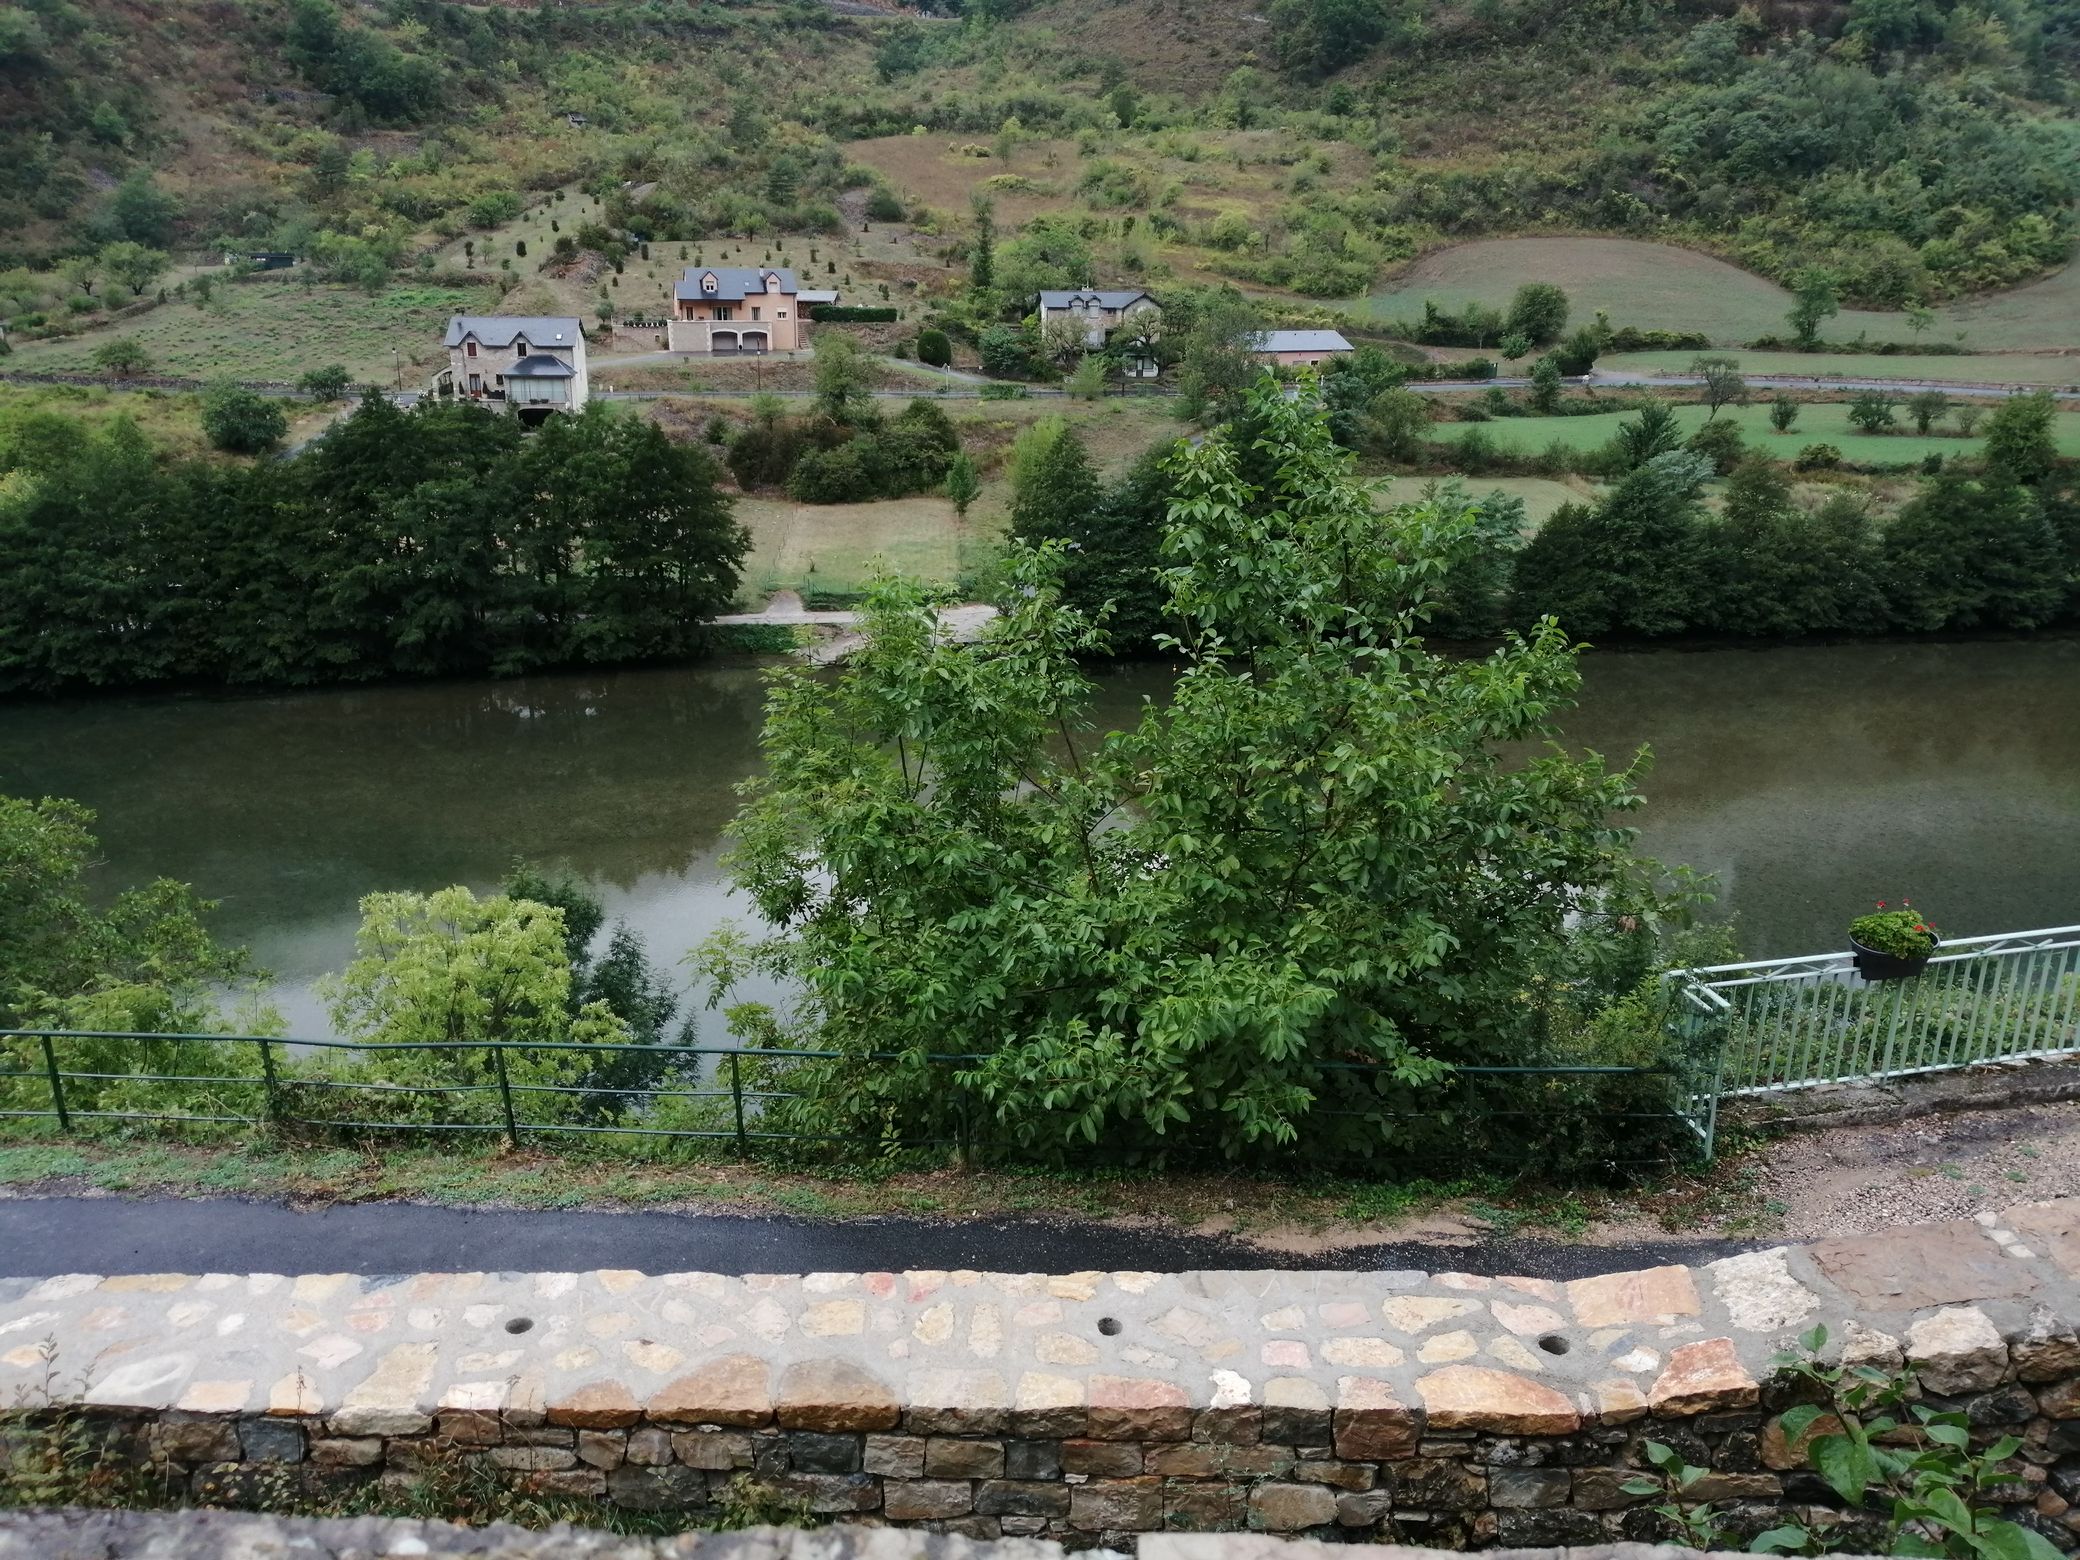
1811,781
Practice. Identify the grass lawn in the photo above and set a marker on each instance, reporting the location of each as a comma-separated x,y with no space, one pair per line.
276,328
1978,368
171,420
1818,423
1541,495
1662,287
834,546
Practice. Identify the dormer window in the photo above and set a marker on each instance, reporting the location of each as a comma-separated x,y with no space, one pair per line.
708,282
520,345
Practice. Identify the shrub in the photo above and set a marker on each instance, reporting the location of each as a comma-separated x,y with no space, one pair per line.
241,421
934,348
1817,457
846,314
833,476
1720,443
325,384
1903,931
1538,312
1871,411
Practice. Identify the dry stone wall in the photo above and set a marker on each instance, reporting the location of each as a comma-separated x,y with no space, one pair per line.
1088,1408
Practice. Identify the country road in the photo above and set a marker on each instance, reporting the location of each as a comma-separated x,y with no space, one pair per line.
41,1236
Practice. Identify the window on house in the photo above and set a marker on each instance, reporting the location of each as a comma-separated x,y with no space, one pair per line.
781,315
476,384
519,347
723,312
707,284
754,311
469,349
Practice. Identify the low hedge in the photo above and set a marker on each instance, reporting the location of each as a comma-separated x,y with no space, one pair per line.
845,314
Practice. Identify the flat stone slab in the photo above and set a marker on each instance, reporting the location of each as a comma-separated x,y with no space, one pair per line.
1943,1264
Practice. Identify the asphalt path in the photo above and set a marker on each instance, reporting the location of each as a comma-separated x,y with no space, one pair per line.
41,1236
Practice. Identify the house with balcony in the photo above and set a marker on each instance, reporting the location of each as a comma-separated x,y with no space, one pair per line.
533,365
1103,313
730,309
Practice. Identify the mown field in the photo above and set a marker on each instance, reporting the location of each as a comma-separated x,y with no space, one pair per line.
1541,495
1662,287
278,328
1978,368
1818,423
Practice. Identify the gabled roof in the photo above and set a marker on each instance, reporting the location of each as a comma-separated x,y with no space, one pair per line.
1300,341
1104,298
732,282
539,365
500,330
817,295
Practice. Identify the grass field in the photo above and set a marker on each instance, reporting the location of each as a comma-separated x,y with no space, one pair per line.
1979,368
1541,495
1661,287
1818,423
279,329
173,422
835,546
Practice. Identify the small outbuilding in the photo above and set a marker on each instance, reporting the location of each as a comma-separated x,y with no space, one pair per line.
1299,348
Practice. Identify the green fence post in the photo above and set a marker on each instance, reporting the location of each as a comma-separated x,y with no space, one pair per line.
736,1094
505,1093
50,1069
267,1074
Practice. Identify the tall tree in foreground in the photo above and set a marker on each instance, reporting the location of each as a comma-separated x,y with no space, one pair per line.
1316,853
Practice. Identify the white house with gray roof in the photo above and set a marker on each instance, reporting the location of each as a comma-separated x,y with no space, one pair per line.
533,364
1101,311
1299,348
737,308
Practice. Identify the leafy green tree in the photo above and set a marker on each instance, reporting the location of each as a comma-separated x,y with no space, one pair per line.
1349,386
1720,443
933,348
1815,299
1086,382
241,421
1872,411
2019,437
1474,599
123,357
1774,571
1654,432
1538,311
143,213
963,483
1970,553
1630,565
950,866
1545,386
982,263
844,378
1051,252
1720,384
1317,37
1055,491
326,384
1217,362
1783,412
1395,425
1927,408
132,265
1514,346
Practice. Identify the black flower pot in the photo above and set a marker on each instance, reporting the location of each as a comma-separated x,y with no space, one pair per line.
1873,964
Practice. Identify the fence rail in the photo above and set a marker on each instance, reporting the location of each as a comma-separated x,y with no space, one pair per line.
1782,1024
81,1080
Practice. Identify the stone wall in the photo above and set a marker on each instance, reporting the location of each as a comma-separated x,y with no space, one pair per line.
1088,1408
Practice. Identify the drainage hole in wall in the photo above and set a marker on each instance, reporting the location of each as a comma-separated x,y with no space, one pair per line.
520,1324
1109,1326
1553,1343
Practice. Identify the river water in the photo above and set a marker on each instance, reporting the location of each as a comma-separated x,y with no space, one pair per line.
1811,781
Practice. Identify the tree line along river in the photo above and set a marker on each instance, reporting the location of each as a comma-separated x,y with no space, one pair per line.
1810,781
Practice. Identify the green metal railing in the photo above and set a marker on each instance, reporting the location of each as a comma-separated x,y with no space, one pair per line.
83,1079
1780,1024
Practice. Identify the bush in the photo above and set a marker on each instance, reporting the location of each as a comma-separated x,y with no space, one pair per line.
1817,457
1720,443
882,206
241,421
933,348
834,476
846,314
325,384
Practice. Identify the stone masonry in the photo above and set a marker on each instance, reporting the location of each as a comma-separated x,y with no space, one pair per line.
1087,1408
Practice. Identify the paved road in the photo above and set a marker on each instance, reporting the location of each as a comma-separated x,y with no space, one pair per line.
45,1235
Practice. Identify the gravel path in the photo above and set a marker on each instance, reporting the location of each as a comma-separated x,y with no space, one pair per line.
1853,1180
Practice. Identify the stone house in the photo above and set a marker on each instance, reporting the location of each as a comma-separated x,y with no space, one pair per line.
737,308
1102,312
1299,348
532,364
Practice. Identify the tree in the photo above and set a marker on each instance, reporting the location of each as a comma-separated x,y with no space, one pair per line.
123,357
140,211
1317,37
1783,412
963,484
132,265
1775,571
1086,381
1927,408
1814,301
2019,438
81,272
1719,383
1630,565
1972,553
1395,424
1871,411
1545,386
933,348
982,263
949,866
1051,252
241,421
844,378
1654,432
1055,492
1513,346
1920,319
1538,311
325,384
1217,360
